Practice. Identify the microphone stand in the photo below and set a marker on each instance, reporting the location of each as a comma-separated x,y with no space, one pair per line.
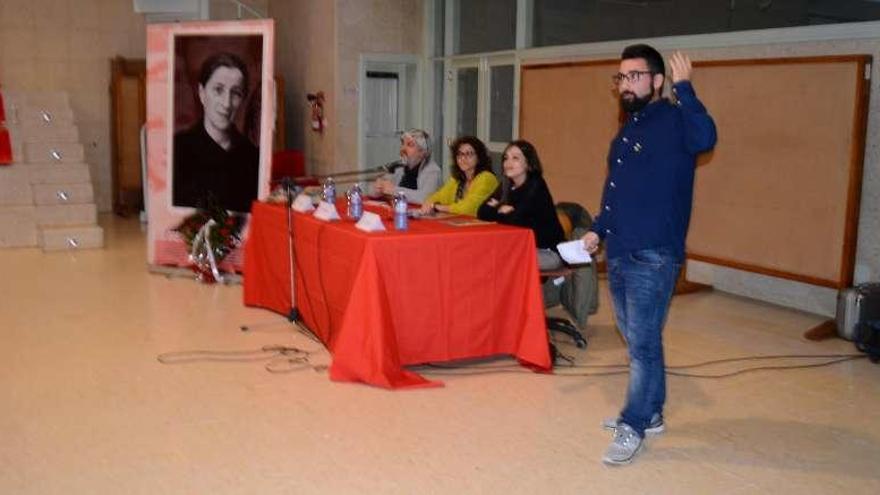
382,169
293,315
352,180
350,173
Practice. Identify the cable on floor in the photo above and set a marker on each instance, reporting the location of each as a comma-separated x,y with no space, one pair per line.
281,358
623,369
300,327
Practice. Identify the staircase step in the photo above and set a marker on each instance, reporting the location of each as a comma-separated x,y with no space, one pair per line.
51,100
13,101
18,226
71,237
66,215
61,173
36,133
63,194
48,152
46,117
46,194
15,186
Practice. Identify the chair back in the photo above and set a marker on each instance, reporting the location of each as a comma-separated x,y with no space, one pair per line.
577,216
579,294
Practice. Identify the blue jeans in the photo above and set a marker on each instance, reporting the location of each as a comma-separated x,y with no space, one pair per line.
642,283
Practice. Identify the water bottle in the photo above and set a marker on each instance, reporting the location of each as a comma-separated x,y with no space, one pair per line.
355,202
329,191
400,205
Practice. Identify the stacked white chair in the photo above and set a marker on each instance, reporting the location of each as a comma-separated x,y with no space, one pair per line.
46,195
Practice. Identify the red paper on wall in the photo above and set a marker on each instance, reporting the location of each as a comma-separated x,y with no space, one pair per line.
5,147
5,142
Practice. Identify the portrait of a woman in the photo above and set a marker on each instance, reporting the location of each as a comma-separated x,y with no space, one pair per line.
214,163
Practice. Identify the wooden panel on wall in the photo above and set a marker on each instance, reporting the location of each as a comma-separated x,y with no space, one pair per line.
128,114
570,113
780,193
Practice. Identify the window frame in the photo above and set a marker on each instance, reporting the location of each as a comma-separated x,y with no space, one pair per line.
525,54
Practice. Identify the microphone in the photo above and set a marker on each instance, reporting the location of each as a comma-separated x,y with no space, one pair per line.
390,167
290,189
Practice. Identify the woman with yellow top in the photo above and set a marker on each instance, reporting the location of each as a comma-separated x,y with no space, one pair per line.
470,183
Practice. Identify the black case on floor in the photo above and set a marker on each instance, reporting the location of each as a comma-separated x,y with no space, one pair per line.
855,306
858,317
868,339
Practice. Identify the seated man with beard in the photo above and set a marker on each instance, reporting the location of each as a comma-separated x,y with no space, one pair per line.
417,175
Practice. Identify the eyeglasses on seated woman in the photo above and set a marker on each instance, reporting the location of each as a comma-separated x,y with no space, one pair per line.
471,180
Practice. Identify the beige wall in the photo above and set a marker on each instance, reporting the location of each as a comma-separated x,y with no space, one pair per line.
319,44
379,26
304,56
66,45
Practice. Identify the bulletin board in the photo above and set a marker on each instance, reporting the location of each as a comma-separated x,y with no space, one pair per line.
779,194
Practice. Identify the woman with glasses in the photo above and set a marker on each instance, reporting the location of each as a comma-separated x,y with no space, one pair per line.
524,199
470,183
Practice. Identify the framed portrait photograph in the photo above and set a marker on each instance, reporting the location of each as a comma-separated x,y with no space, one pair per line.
216,142
210,124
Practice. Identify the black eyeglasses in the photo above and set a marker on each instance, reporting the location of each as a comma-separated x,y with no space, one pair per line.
630,77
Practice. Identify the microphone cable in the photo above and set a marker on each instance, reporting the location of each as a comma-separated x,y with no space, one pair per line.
278,358
623,368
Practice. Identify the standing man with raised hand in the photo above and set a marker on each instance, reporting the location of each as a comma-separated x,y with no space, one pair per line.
643,219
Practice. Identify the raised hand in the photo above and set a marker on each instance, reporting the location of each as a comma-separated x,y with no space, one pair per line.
681,67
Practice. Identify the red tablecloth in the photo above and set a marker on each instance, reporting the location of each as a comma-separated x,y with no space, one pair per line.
380,301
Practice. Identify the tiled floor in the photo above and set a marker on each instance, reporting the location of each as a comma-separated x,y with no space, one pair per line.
85,407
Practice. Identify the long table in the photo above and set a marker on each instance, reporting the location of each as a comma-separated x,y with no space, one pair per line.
383,300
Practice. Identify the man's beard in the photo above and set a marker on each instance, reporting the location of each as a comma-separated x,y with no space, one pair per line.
410,162
637,103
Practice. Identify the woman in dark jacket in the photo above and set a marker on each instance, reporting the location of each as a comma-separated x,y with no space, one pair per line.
523,199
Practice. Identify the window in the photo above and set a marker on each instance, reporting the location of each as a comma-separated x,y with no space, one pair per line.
439,152
479,85
560,22
501,103
467,96
438,14
484,26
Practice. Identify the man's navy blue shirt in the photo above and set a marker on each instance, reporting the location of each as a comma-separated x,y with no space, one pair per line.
648,193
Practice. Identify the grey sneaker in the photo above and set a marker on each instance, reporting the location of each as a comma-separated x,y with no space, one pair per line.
626,444
656,427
